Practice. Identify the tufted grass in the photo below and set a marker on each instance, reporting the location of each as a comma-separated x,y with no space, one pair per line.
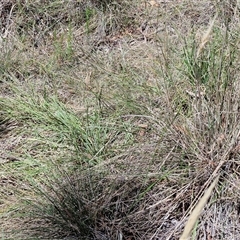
116,117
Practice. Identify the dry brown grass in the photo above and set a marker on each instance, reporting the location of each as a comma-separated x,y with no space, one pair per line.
109,114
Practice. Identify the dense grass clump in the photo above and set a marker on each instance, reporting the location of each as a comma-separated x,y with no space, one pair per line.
119,119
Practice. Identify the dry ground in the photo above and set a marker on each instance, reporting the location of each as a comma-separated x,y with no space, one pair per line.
115,117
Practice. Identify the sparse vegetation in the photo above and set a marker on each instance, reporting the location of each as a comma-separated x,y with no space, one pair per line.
116,117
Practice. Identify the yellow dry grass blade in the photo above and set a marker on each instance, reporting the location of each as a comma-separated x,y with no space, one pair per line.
197,211
206,37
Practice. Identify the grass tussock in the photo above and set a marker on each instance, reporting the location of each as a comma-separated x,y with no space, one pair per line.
119,120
